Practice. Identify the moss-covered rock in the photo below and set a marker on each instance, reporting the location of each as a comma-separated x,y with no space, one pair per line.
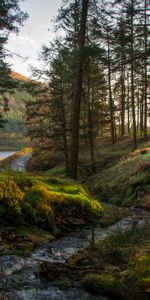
46,202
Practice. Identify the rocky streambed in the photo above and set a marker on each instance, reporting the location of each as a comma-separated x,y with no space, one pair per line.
19,278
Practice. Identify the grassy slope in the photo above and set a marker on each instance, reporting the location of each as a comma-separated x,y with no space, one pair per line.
120,176
127,182
17,99
12,132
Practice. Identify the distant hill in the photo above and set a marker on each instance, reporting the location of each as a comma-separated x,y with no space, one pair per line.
16,100
16,108
19,77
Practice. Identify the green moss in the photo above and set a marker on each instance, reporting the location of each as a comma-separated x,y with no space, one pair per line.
36,205
11,197
57,171
44,202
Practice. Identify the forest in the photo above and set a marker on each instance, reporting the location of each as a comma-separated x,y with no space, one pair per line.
75,155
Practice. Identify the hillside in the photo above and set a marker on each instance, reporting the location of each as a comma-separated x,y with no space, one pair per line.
19,77
125,182
13,129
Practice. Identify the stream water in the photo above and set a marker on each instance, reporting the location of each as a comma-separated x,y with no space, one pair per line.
18,280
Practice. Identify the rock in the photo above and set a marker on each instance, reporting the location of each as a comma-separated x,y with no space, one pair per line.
10,264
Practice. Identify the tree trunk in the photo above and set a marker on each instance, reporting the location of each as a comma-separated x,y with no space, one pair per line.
132,84
122,93
128,104
111,104
90,115
142,104
78,94
65,142
145,74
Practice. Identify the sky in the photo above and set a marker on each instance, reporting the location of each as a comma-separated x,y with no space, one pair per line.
37,30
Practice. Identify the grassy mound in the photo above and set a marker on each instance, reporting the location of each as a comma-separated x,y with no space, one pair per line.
128,182
46,202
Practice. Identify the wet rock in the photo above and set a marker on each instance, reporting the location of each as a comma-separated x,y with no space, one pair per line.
10,263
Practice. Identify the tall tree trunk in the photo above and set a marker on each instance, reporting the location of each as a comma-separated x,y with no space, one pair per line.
78,93
142,103
111,103
90,113
145,73
122,94
138,110
122,106
132,83
65,142
128,104
64,130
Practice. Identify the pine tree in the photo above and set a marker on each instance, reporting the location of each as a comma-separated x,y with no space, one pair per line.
78,93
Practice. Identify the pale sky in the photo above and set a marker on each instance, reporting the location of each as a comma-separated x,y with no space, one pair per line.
37,30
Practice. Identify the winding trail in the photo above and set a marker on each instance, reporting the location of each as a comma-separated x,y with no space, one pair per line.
18,280
19,164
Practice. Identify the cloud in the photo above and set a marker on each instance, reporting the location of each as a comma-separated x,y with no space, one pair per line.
33,34
22,45
24,52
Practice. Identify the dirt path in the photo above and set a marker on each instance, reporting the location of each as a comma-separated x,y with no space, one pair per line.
19,164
